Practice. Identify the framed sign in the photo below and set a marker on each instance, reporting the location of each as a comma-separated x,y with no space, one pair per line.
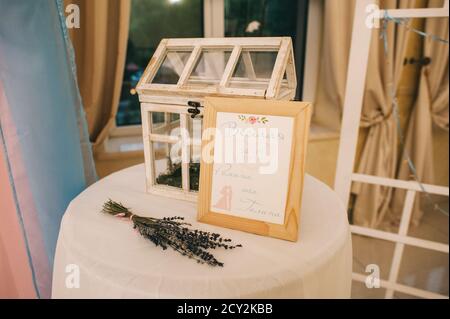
252,165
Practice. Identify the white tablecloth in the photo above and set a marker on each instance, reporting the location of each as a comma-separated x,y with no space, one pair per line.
114,261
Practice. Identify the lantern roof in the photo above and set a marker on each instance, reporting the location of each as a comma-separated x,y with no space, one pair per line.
260,67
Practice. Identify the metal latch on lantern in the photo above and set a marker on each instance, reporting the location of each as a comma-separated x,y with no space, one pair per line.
194,111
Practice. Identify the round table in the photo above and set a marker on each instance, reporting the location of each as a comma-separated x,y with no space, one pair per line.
99,256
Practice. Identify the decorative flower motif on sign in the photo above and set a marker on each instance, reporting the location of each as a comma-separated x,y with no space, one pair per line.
253,119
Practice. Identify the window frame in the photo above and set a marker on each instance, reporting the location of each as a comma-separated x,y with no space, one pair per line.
214,27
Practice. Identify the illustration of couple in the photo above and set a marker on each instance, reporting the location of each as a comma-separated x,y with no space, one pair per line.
224,202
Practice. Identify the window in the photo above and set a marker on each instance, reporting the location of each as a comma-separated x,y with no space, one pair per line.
269,18
151,21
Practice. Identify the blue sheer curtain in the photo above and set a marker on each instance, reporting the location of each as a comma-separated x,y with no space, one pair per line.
42,125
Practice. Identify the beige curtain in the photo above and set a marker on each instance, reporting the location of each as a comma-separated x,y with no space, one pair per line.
100,49
337,32
379,152
430,108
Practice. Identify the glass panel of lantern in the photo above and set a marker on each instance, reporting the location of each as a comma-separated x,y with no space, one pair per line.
253,69
172,66
167,164
164,123
208,69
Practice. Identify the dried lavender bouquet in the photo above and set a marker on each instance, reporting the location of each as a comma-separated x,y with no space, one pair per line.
173,232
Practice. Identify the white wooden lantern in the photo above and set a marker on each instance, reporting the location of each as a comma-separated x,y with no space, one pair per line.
186,71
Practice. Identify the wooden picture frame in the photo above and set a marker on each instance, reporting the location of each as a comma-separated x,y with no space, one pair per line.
301,114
